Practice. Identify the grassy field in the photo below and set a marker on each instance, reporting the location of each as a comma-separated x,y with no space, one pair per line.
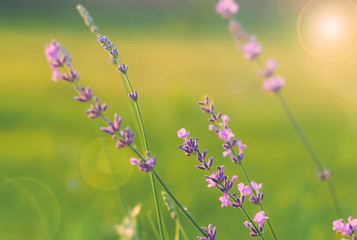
47,144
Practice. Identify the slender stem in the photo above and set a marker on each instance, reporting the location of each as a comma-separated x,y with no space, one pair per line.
144,136
255,194
178,203
310,151
157,205
299,132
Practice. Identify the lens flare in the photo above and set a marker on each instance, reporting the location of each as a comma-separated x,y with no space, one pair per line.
327,29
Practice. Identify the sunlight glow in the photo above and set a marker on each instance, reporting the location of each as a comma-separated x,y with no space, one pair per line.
331,27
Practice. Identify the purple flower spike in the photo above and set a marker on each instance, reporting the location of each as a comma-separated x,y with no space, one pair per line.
84,94
210,233
190,146
134,96
227,8
146,165
269,69
225,200
253,49
273,84
123,68
105,43
260,218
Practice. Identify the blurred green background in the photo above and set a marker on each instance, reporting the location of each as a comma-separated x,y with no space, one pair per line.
177,51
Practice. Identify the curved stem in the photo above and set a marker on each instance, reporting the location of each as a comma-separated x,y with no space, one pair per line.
310,151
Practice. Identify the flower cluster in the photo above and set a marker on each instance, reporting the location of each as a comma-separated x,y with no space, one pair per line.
218,179
59,60
250,47
346,229
146,165
221,127
210,232
124,137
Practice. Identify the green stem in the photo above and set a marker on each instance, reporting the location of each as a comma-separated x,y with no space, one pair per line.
143,132
310,151
178,203
162,236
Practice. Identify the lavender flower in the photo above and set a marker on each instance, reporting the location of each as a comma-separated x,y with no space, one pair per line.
113,127
190,146
258,198
96,109
253,231
58,58
268,70
225,133
84,94
273,84
146,165
123,68
259,218
210,233
252,49
227,8
125,139
346,229
134,96
225,199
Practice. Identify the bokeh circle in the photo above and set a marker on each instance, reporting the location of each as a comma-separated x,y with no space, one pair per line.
105,167
29,209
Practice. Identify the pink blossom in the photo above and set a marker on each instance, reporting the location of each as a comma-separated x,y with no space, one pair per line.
227,8
273,84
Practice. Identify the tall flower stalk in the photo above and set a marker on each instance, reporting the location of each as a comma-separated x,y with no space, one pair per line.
220,126
252,50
